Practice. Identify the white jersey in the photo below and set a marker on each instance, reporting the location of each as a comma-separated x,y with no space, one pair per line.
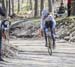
50,17
7,24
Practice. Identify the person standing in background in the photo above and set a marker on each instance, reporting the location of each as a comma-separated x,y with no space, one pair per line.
69,7
3,15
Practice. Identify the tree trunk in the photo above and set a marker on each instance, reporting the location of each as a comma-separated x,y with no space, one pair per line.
6,8
12,6
9,7
73,7
3,5
1,1
50,5
42,6
61,1
36,8
22,1
18,6
30,4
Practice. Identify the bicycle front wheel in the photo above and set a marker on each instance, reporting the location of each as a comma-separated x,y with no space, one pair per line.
49,45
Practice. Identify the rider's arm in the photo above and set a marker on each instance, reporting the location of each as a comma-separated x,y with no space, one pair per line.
41,27
42,24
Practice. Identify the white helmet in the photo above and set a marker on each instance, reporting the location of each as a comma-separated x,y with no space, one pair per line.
45,12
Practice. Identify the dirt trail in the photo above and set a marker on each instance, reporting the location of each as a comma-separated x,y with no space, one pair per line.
33,53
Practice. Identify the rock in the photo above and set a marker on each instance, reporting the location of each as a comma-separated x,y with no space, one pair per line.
26,30
72,39
67,38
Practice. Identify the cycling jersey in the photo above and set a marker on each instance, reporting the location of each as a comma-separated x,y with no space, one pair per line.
51,18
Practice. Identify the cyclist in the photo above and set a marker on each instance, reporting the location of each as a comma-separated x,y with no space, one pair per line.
48,17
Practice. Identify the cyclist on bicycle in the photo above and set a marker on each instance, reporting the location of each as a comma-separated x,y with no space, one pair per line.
48,17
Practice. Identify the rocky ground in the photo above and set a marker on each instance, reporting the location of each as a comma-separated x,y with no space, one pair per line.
25,30
66,29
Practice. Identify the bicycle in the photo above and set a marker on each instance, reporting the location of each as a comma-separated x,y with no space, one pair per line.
49,40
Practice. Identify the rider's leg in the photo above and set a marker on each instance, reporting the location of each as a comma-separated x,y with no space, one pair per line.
53,37
45,37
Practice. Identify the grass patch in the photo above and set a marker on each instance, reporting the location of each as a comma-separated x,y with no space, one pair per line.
36,21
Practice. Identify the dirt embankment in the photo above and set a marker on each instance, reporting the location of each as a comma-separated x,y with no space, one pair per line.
24,30
66,28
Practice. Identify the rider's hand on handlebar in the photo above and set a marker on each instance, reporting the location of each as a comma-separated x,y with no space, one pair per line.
40,33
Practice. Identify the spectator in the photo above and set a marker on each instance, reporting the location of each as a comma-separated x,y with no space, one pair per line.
2,14
69,7
61,9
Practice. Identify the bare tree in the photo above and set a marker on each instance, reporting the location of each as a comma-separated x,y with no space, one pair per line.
61,1
50,5
3,4
30,4
9,7
73,7
12,6
0,1
36,8
18,5
41,6
22,1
